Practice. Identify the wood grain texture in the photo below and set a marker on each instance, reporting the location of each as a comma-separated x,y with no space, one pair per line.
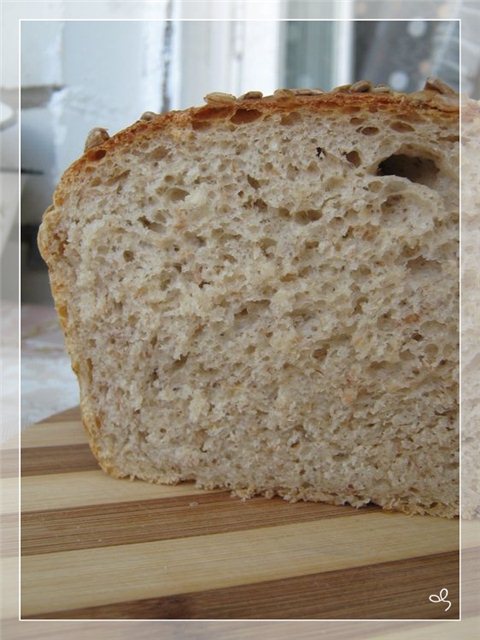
61,432
57,459
175,517
9,463
96,547
392,589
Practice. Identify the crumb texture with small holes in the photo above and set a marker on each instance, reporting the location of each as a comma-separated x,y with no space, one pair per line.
262,295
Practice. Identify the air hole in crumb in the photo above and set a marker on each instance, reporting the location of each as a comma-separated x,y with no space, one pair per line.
311,244
431,350
176,194
89,369
128,256
266,245
252,182
421,264
320,354
145,222
379,366
358,308
357,120
369,131
308,216
417,337
334,182
415,168
385,322
401,127
200,125
242,116
178,364
158,153
96,154
292,172
353,157
260,204
290,118
375,186
95,182
351,109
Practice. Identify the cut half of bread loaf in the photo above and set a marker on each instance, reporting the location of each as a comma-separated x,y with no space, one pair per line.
261,294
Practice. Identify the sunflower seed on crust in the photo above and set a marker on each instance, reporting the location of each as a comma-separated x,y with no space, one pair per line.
381,88
341,88
217,96
435,84
95,137
362,86
251,95
148,115
284,93
308,92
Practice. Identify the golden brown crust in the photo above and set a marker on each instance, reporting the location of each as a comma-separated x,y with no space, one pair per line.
438,102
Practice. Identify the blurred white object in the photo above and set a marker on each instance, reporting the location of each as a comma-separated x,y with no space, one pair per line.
9,172
7,115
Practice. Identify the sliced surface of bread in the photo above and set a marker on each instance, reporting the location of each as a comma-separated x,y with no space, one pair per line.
262,294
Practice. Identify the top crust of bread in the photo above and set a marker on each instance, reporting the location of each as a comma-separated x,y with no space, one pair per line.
441,106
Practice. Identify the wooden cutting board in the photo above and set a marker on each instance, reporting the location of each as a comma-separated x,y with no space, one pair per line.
96,547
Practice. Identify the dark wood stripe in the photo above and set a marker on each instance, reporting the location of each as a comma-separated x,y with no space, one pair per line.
9,463
393,590
40,461
105,525
9,537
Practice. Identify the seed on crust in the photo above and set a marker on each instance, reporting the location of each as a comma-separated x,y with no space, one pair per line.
342,88
251,95
381,88
435,84
217,96
362,86
308,92
95,137
148,115
283,93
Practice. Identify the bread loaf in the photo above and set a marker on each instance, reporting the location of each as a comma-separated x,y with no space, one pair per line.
261,294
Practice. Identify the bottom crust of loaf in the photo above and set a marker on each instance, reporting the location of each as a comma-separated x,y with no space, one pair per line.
289,494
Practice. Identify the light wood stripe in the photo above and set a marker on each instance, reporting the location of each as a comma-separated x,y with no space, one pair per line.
9,462
240,630
9,489
170,567
62,416
9,538
86,488
9,603
38,461
386,590
57,433
148,520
